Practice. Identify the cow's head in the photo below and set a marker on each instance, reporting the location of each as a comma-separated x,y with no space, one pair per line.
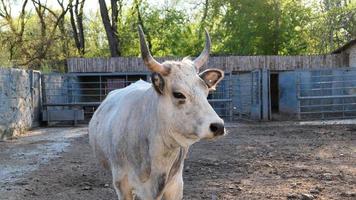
183,92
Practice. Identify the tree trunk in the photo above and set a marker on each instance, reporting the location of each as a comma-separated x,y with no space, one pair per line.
76,20
277,14
81,29
111,27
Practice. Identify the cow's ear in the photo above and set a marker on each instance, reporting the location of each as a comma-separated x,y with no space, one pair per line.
212,77
157,82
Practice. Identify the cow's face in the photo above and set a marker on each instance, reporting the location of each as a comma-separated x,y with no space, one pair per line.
184,100
183,92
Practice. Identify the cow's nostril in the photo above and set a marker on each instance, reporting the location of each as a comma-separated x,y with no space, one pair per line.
213,128
217,128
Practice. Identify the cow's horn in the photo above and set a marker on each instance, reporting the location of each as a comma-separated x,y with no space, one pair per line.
149,61
203,57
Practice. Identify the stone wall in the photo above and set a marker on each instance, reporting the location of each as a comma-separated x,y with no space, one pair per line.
20,101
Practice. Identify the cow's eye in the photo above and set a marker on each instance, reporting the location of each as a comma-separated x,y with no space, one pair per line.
178,95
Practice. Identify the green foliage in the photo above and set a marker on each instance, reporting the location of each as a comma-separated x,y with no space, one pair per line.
170,33
237,27
333,25
46,69
95,38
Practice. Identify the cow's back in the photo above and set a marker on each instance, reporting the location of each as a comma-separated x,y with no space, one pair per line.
109,120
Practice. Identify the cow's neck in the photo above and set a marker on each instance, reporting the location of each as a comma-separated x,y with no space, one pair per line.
168,143
169,156
169,151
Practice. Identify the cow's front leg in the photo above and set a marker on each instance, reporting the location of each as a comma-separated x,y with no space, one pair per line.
122,188
174,189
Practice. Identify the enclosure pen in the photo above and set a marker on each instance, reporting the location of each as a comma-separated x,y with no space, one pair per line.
76,96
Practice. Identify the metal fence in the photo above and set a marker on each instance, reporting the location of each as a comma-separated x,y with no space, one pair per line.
67,96
326,94
242,89
65,93
221,98
247,95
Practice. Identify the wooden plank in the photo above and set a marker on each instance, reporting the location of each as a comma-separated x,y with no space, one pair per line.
227,63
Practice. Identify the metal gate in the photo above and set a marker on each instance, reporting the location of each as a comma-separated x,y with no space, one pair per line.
256,88
251,95
221,98
326,94
75,97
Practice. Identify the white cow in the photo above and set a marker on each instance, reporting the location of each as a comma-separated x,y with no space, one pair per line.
142,132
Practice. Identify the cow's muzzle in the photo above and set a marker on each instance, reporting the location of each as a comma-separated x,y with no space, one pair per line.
217,129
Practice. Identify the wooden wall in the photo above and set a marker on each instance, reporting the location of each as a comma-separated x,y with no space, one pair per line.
226,63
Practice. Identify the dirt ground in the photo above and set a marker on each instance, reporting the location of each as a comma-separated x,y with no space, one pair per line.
254,161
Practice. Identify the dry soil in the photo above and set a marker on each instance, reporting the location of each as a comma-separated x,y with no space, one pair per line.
254,161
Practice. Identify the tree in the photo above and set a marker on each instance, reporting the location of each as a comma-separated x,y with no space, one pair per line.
111,27
47,33
137,4
95,37
15,38
337,17
76,19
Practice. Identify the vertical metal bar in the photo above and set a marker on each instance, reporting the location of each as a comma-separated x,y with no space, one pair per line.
343,99
259,86
238,95
31,85
322,94
40,98
343,108
256,93
74,93
260,93
265,94
298,94
230,96
100,89
251,94
69,91
44,98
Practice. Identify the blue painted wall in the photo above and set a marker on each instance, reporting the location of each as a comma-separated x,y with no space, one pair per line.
288,103
329,82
